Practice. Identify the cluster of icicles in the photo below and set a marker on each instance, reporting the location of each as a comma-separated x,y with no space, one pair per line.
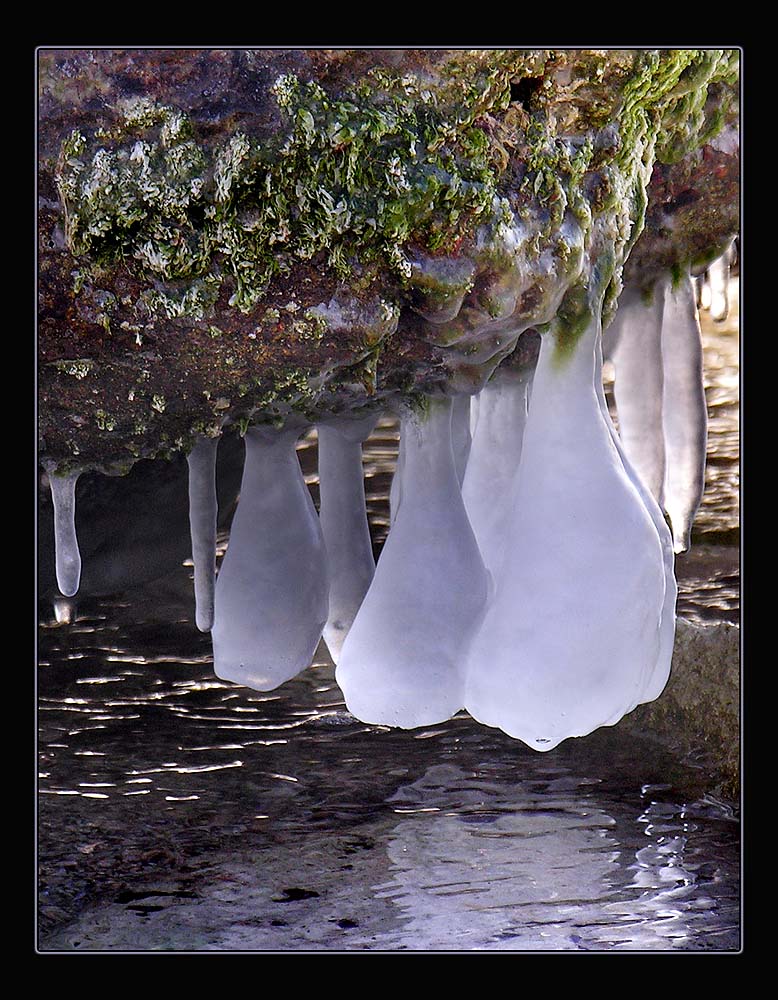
528,575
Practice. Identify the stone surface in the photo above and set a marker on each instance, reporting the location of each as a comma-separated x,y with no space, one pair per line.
227,235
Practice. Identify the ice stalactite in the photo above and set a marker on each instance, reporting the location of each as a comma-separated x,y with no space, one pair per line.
395,489
573,630
713,285
461,437
344,523
657,678
684,414
67,555
203,511
402,663
271,600
490,478
636,333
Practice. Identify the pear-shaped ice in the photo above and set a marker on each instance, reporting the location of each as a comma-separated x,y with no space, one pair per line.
66,552
685,415
490,478
344,522
203,511
636,332
657,678
271,592
572,632
402,663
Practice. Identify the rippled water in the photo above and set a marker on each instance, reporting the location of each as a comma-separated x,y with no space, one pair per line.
179,812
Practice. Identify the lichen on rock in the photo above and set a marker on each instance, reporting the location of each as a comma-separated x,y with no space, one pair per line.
461,193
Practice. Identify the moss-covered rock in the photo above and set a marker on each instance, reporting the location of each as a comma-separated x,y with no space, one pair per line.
230,235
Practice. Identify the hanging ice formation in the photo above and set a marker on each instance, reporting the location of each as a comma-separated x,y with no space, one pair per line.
461,438
203,509
490,477
67,555
271,599
571,639
402,663
654,342
344,523
685,416
659,676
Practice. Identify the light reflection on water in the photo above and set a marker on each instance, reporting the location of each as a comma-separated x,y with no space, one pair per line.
180,812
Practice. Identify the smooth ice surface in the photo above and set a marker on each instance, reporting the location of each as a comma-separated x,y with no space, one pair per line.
461,437
490,478
685,414
343,517
639,386
68,557
271,592
573,629
203,511
396,488
657,678
402,663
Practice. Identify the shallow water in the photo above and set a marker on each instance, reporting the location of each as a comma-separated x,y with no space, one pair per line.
179,812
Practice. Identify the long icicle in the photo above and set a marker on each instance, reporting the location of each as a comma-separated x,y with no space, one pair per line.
343,518
685,415
638,389
67,555
203,510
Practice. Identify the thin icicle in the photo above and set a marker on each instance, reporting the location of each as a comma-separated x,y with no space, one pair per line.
343,517
402,663
638,390
461,438
718,284
271,592
67,556
203,510
685,415
395,489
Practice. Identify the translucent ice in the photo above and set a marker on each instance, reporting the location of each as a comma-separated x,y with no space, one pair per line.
656,679
203,510
67,555
685,418
639,385
460,433
344,523
271,592
402,663
490,479
572,632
